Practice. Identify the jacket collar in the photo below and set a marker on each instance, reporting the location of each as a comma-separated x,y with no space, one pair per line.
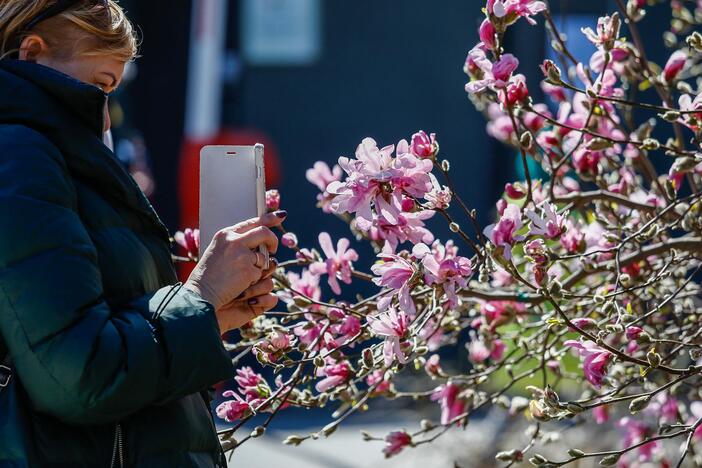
70,114
85,102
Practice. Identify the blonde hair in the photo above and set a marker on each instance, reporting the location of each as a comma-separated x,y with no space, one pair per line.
84,29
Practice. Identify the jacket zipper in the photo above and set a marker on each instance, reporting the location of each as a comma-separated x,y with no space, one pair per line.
118,448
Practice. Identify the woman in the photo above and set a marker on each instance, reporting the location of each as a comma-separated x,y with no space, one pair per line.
108,358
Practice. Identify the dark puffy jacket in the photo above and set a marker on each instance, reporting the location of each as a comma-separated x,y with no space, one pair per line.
84,264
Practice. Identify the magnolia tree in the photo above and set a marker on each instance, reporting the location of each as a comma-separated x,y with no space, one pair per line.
579,304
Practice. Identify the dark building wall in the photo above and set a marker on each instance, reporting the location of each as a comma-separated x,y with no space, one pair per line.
387,69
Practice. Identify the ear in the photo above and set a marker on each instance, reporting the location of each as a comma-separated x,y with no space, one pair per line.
32,48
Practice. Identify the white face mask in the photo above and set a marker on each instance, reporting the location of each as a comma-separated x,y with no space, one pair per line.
107,139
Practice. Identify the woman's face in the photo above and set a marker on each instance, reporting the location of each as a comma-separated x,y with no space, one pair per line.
105,72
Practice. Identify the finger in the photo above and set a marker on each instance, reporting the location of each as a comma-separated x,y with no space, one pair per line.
263,303
271,269
260,236
259,289
268,220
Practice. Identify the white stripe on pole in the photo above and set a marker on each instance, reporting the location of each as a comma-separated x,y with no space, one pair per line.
207,40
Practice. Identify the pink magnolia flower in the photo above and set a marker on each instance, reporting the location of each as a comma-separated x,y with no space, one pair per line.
444,268
515,92
393,326
274,344
478,350
346,329
687,104
474,59
395,442
557,93
496,313
321,175
377,377
633,332
601,414
233,410
636,432
423,145
433,367
514,9
607,31
189,240
309,333
396,273
674,65
451,405
279,340
550,225
433,334
252,385
305,283
289,240
584,323
338,264
503,234
378,180
439,198
596,360
514,191
487,34
272,200
495,75
665,407
409,226
335,374
696,412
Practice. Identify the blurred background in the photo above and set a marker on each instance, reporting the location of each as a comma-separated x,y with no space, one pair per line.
310,79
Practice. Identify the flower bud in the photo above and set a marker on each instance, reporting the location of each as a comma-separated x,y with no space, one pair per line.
487,34
551,72
272,200
694,41
445,165
289,240
509,456
639,404
426,425
258,431
330,428
538,460
454,227
319,361
650,144
610,460
670,116
229,444
294,440
576,453
368,358
526,140
653,358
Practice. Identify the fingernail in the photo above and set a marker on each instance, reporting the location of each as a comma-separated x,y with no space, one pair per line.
253,301
281,214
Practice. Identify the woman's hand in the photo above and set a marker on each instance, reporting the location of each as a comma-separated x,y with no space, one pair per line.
253,302
228,268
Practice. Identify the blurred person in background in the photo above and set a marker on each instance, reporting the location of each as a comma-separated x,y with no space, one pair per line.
106,359
127,142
